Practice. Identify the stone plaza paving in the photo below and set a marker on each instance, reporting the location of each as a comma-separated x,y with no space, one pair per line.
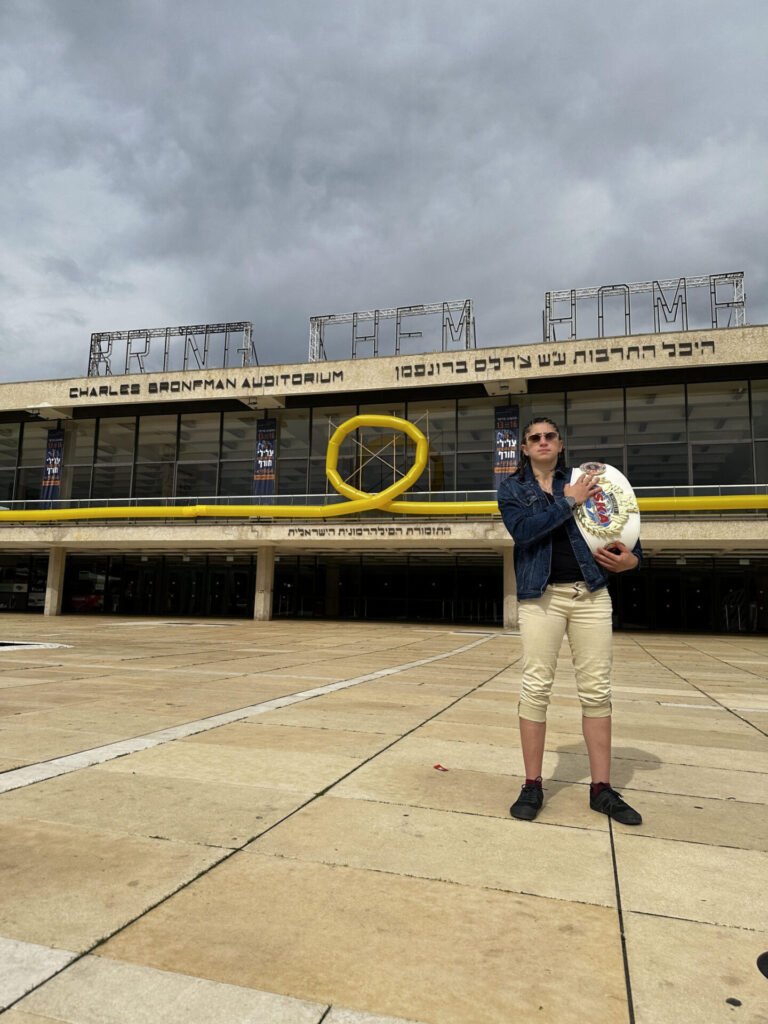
237,821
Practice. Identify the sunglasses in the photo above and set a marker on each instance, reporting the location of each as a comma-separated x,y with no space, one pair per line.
551,435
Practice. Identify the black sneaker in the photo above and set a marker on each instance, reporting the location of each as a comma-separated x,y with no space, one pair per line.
529,803
609,802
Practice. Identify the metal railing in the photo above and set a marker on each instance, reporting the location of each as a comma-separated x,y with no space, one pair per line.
701,491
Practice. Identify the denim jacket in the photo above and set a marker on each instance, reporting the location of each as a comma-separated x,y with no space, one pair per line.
530,519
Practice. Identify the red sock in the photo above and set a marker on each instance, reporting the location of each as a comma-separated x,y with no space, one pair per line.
534,782
598,787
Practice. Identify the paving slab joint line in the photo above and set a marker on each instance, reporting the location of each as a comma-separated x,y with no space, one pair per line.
622,934
42,771
699,920
442,879
252,839
11,987
106,938
703,692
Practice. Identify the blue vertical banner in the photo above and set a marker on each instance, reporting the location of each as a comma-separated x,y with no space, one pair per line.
51,483
265,460
506,449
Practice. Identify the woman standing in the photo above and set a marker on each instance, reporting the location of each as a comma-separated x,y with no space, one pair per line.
562,589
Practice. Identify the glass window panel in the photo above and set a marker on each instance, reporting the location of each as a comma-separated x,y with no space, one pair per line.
718,412
115,439
236,478
77,482
438,421
238,438
387,452
8,566
658,465
318,481
406,454
111,482
78,442
194,479
324,422
293,432
38,574
613,456
157,439
475,430
84,584
759,407
292,476
532,406
349,469
384,456
387,409
153,480
595,417
380,471
9,443
761,462
35,441
29,484
438,476
656,415
6,484
724,464
475,472
199,436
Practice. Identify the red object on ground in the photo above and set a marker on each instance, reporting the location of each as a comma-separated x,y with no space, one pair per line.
439,767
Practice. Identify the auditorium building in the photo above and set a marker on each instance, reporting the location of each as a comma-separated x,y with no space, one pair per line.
683,414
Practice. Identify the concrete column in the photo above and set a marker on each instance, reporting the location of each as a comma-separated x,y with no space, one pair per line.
510,589
265,584
54,584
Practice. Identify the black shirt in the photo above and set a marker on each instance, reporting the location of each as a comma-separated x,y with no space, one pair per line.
565,567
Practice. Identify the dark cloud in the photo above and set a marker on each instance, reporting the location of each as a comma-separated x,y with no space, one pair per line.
180,163
64,268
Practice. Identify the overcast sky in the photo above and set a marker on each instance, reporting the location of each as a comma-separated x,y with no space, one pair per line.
188,162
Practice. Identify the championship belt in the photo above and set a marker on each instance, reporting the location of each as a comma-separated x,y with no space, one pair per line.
611,513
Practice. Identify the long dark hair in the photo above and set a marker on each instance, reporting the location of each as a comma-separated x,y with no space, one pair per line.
524,460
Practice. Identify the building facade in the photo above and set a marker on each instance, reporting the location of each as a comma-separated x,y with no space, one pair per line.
680,413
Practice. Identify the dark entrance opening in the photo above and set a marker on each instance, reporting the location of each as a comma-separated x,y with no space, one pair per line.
22,582
693,594
687,594
407,588
217,586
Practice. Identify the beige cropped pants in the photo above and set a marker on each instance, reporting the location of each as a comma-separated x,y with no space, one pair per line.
566,609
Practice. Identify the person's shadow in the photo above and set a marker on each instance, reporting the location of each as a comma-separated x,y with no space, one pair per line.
572,765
